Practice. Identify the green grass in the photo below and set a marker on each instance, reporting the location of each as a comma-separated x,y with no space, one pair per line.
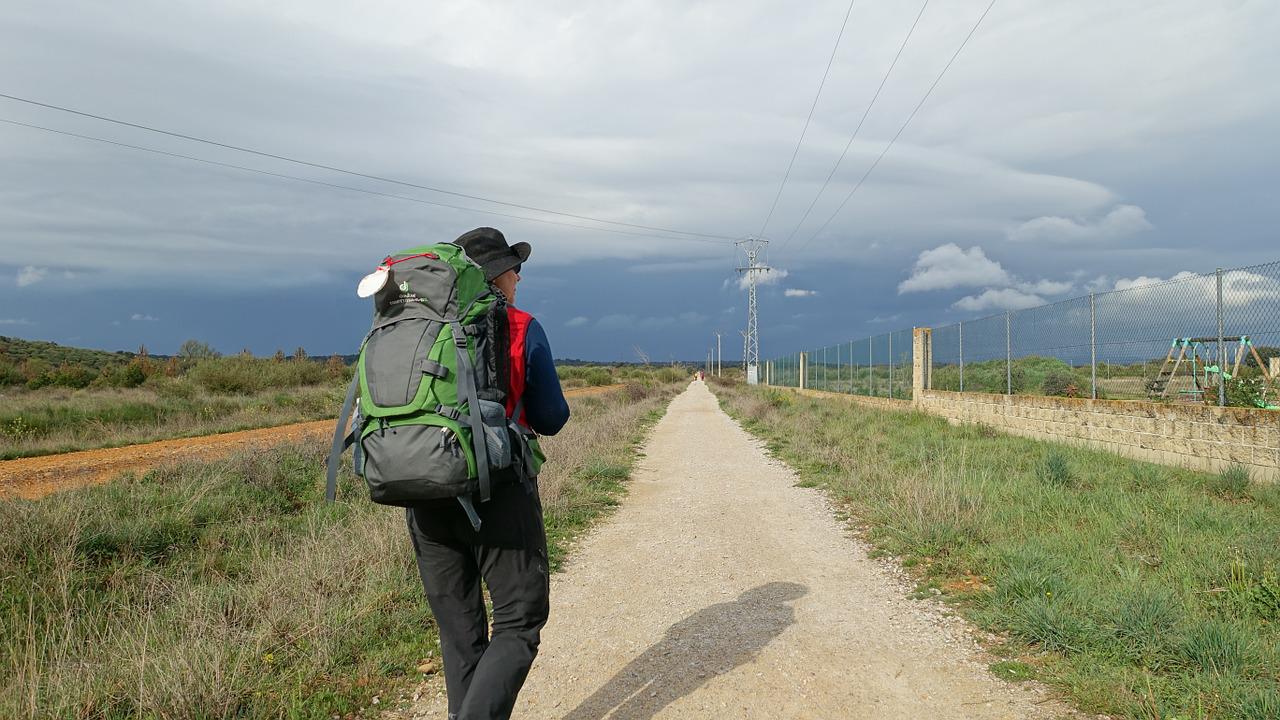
574,376
54,420
1137,590
229,589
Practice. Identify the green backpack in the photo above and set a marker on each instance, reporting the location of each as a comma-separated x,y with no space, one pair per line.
432,382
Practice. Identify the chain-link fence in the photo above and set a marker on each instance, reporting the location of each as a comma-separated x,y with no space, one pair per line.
878,366
1212,338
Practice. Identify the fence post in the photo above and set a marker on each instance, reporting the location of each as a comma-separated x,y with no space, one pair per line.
890,366
1008,354
1093,349
961,356
1222,348
803,362
921,361
871,381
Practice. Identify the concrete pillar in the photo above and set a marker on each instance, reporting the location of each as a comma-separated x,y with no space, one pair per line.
804,368
921,363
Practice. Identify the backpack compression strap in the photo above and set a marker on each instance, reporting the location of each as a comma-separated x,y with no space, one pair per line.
340,441
467,391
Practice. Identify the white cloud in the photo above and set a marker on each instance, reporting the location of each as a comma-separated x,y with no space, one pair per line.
797,292
140,317
578,321
998,299
885,318
1239,288
948,266
768,276
1102,283
1121,222
1046,287
15,321
1141,280
30,275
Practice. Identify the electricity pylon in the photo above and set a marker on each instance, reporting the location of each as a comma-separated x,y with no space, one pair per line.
754,249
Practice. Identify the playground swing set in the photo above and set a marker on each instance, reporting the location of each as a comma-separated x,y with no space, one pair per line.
1197,354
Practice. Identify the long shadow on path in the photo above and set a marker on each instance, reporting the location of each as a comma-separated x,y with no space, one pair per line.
708,643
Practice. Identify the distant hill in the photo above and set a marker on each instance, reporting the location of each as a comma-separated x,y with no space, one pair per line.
16,350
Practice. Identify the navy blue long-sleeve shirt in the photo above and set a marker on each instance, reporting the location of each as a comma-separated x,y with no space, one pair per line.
544,403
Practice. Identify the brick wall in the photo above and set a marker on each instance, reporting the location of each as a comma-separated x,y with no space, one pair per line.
1193,436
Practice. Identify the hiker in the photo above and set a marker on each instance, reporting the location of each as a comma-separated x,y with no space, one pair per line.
484,673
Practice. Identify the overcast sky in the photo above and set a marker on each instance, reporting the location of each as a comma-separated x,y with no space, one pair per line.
1071,147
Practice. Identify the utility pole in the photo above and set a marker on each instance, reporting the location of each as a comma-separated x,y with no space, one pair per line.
719,359
754,248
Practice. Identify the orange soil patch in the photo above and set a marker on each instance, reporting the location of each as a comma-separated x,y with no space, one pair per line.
35,477
967,584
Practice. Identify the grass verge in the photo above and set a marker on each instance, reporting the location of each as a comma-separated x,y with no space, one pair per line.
230,590
1137,590
56,420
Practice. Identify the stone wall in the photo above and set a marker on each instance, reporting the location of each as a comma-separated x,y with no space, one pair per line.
1199,437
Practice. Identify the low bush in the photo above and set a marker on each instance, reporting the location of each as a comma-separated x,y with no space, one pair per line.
1056,469
72,376
1231,483
1064,384
670,374
596,377
122,376
239,374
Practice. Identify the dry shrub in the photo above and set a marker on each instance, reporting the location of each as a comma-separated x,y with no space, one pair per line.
604,428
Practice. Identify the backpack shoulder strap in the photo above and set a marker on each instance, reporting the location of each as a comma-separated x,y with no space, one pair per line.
341,441
467,392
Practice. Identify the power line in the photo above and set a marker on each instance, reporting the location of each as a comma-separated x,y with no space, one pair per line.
807,120
865,113
920,104
337,186
355,173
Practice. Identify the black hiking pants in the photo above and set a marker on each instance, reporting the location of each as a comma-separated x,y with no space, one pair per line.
483,673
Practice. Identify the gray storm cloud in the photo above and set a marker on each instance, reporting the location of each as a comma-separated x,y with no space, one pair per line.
1068,137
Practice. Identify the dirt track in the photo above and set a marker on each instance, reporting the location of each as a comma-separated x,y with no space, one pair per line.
36,477
722,590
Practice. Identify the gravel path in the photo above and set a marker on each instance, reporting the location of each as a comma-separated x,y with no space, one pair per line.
721,590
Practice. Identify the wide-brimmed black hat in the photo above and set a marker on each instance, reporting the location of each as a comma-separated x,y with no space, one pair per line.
489,249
